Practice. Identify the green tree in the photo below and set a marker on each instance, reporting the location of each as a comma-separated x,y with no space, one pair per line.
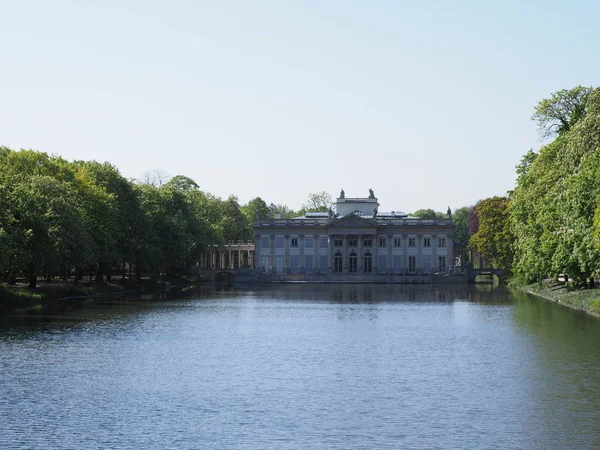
461,229
318,202
559,113
494,238
255,209
427,214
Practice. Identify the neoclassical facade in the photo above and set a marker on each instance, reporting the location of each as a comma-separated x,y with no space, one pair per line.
357,239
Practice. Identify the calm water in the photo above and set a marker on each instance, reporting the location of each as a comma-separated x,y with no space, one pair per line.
304,367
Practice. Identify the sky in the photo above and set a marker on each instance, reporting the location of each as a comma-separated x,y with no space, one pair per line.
428,103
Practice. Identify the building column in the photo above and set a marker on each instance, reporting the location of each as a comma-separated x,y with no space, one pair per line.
375,255
256,250
359,256
330,250
450,251
419,251
272,254
316,252
286,253
390,242
345,254
434,247
405,251
302,267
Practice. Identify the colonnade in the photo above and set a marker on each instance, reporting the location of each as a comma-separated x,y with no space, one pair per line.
228,257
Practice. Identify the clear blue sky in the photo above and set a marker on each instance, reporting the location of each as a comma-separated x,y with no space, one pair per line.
427,103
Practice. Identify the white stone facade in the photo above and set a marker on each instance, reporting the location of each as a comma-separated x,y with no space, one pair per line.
356,240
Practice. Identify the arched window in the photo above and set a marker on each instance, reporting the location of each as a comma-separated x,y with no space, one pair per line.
337,262
352,263
367,267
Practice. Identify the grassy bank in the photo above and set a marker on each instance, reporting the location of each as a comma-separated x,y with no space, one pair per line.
21,296
585,299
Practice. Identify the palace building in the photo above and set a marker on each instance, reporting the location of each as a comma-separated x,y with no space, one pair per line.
356,240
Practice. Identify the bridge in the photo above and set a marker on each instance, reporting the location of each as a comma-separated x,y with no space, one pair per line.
490,272
227,275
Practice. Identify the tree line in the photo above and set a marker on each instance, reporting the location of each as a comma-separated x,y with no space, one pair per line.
549,224
60,218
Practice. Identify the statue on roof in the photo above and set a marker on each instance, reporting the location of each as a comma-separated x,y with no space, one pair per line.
330,212
342,194
375,212
371,193
449,213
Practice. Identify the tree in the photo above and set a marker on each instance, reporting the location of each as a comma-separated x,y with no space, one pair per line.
233,222
181,183
156,178
494,238
559,113
285,212
255,209
319,202
461,230
428,214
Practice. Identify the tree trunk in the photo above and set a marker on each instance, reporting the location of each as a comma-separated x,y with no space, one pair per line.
31,276
123,273
138,270
592,283
99,274
63,271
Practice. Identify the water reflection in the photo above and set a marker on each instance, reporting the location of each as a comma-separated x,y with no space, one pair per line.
343,366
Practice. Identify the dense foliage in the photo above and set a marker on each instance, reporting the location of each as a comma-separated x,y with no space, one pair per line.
63,218
552,217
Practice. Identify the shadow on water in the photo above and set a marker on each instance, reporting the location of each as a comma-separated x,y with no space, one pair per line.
88,309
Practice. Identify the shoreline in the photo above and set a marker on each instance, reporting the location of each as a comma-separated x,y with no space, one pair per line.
581,299
20,297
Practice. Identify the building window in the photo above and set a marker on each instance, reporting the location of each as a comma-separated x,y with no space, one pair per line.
337,263
426,242
397,242
294,263
412,242
353,242
367,242
323,241
441,242
367,260
412,263
397,263
264,241
264,262
382,263
323,263
279,263
442,263
338,242
279,241
294,242
352,263
382,242
427,263
308,242
308,263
